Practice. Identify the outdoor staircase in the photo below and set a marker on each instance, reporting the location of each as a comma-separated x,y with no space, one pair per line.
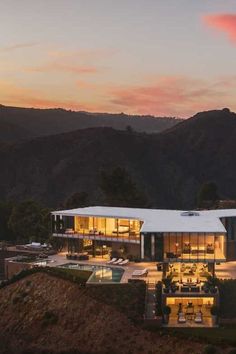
150,302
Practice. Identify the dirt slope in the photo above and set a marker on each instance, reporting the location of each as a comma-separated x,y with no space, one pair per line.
43,313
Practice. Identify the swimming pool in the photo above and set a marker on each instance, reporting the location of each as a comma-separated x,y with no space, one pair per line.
101,274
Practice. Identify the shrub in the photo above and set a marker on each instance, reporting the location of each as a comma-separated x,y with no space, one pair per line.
214,311
49,318
128,298
15,300
210,349
158,298
166,310
167,281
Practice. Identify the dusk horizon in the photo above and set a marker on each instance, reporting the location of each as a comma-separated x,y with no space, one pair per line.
146,58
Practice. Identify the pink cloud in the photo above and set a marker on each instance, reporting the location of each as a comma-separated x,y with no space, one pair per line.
24,97
171,96
225,23
164,96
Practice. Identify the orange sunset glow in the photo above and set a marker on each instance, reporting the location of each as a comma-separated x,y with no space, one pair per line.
117,57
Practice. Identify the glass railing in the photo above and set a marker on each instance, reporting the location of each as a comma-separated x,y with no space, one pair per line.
99,234
195,255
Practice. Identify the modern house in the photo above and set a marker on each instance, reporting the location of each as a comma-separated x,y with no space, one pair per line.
166,236
187,245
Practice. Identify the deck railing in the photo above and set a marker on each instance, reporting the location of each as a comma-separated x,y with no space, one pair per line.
97,236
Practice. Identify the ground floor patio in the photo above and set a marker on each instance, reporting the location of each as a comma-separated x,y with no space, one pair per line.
153,275
225,270
191,303
195,311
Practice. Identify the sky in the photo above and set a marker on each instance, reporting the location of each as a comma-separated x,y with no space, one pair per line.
158,57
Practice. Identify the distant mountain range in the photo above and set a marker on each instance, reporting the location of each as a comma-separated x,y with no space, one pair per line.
27,123
169,166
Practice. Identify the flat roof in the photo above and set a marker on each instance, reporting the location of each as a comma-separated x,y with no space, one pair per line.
160,220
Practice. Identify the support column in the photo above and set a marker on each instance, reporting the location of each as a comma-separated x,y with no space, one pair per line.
94,248
54,224
153,247
142,245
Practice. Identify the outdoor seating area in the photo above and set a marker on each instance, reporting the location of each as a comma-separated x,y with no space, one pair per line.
36,247
190,311
188,278
78,256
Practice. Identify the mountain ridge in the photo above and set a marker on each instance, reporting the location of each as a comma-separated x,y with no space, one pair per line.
44,122
168,167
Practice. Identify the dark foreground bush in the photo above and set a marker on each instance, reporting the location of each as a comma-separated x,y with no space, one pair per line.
210,349
49,318
232,351
128,298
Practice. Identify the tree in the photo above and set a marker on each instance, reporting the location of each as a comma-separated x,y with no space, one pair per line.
120,190
77,200
208,195
5,211
30,221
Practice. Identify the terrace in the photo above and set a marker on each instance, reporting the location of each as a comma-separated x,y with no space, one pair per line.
188,279
190,291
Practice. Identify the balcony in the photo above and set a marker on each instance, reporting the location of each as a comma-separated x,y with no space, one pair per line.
198,255
125,237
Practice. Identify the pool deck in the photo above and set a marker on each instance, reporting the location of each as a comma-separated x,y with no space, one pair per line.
223,271
152,277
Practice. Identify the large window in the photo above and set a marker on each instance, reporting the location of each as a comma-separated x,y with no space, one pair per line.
194,247
110,227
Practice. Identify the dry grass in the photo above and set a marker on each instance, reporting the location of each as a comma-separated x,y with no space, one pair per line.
41,312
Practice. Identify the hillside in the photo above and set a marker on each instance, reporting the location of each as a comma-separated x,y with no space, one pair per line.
10,132
169,167
43,314
25,123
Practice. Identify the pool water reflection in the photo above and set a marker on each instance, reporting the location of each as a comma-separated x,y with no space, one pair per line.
101,274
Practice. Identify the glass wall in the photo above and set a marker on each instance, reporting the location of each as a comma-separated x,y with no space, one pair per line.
230,225
194,247
101,226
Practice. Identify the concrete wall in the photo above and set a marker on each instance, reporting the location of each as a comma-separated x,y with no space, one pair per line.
13,267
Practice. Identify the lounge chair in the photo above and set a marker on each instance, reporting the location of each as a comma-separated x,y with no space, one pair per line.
181,317
140,272
125,262
112,261
118,261
198,317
